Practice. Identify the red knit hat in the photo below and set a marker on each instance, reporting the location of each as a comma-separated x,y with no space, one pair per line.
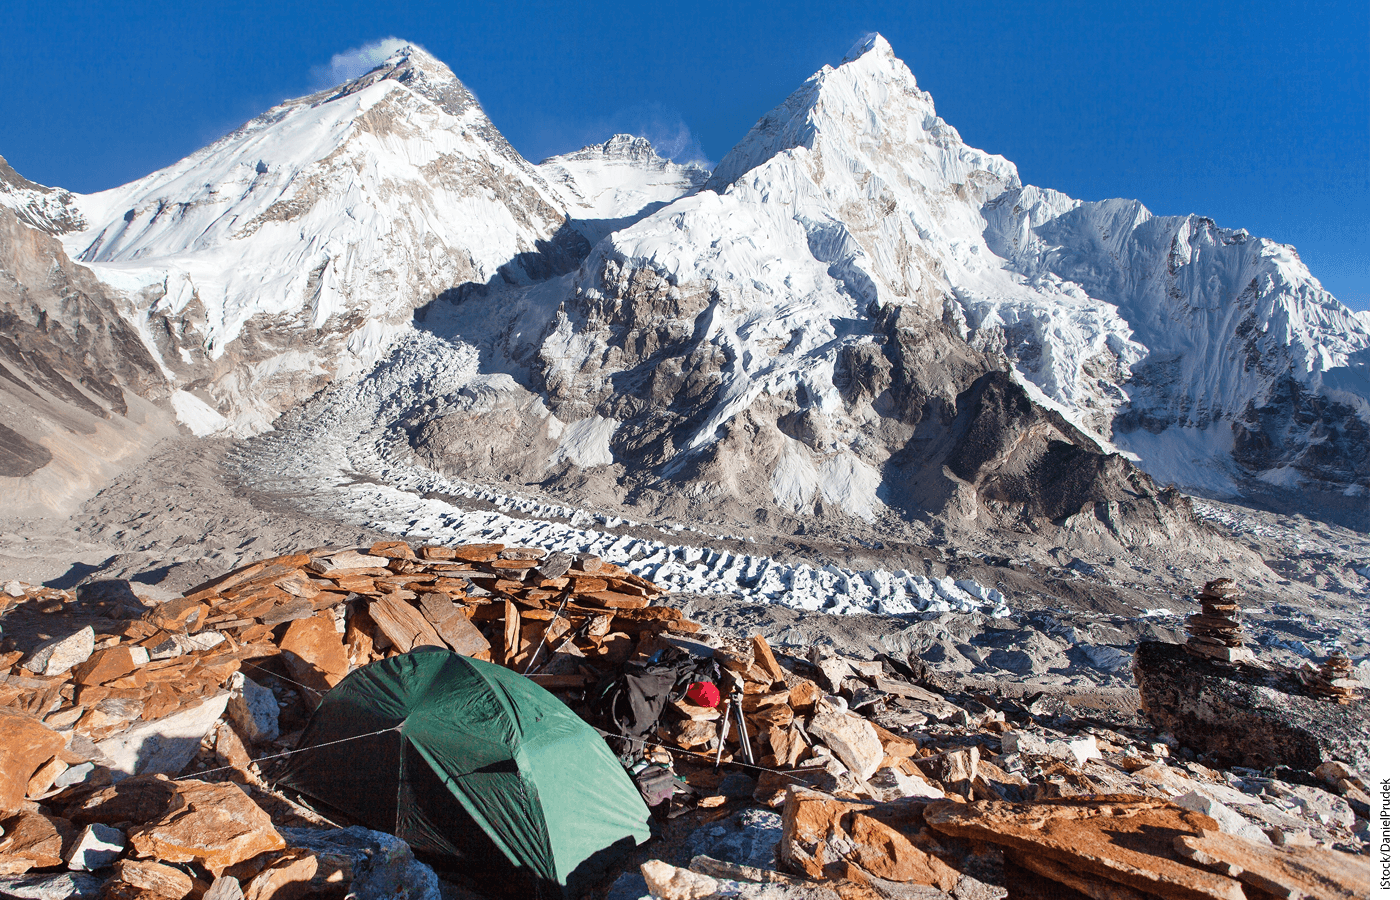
703,693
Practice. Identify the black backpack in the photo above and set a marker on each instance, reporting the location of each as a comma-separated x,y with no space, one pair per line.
627,703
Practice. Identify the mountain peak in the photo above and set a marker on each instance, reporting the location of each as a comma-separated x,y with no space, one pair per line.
874,42
419,71
628,146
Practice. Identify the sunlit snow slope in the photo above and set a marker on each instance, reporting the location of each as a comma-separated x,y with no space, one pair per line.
808,286
301,243
1209,353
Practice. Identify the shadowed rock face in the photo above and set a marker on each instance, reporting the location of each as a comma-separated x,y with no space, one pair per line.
60,334
1247,715
71,372
61,338
20,456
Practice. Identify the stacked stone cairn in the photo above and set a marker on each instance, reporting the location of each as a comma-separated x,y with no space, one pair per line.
1333,681
1216,632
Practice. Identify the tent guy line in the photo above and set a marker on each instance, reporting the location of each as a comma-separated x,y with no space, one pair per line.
286,753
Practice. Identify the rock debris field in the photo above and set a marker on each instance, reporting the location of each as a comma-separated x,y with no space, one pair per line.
143,738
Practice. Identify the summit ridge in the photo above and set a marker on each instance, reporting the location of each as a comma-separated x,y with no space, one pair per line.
302,247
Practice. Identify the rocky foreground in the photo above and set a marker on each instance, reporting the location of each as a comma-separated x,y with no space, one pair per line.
140,743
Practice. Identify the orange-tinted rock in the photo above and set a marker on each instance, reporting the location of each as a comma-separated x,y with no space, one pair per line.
105,665
132,801
1120,839
884,852
42,780
314,653
142,879
403,625
182,616
32,841
809,817
1279,871
692,734
25,745
287,879
216,825
803,695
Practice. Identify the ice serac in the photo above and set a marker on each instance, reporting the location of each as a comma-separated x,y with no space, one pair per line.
296,248
794,336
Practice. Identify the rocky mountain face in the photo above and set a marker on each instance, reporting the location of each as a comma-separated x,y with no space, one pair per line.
1209,355
82,393
856,314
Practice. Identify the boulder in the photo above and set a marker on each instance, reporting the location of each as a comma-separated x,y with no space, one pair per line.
216,825
32,841
365,863
253,710
107,664
1310,872
314,653
668,882
291,876
25,745
163,745
96,847
63,886
1077,750
955,769
61,654
885,853
1119,841
225,887
1229,821
853,739
822,833
832,670
144,879
133,801
1247,715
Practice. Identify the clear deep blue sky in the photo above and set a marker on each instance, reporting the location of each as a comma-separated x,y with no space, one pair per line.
1253,114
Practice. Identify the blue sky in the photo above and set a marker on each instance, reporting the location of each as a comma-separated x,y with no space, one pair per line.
1255,115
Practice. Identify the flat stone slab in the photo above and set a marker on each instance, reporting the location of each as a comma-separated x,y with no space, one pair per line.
1123,840
163,745
1310,872
1247,715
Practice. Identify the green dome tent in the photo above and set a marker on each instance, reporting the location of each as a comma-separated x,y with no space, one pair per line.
476,766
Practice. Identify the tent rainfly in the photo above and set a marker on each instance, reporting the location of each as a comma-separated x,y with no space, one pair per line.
478,767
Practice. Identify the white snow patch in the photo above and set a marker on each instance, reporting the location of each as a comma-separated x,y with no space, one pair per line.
1187,457
196,415
585,442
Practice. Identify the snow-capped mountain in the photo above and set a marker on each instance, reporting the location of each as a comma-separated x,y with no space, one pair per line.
611,185
1211,354
293,250
45,208
832,311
